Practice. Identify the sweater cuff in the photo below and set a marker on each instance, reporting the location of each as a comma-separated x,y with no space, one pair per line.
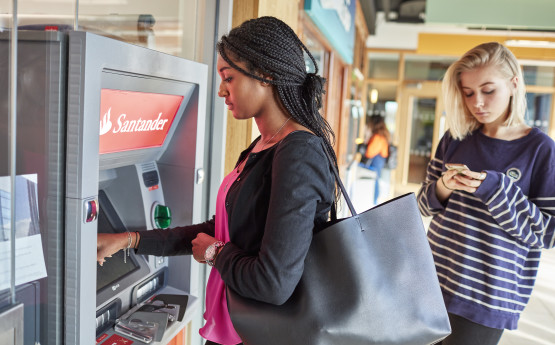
433,201
489,186
148,243
225,256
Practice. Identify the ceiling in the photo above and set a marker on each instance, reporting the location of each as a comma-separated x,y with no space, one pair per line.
395,24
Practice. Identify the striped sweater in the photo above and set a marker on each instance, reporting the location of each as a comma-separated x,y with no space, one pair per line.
487,245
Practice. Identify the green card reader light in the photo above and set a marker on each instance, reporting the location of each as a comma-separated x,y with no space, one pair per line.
162,216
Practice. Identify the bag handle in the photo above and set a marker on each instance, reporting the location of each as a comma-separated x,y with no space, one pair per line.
342,187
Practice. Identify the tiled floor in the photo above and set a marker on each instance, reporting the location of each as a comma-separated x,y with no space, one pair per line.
537,323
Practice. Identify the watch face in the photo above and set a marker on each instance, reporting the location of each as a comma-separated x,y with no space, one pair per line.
210,251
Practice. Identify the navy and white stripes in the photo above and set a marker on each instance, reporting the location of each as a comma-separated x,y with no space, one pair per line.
487,245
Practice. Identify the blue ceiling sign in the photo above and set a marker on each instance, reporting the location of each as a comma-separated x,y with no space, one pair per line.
336,20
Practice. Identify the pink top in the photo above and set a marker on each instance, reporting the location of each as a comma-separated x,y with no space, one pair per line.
218,327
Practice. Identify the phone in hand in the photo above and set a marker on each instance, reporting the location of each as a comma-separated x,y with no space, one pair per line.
456,166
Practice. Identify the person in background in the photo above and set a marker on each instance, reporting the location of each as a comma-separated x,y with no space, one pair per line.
493,216
377,150
280,189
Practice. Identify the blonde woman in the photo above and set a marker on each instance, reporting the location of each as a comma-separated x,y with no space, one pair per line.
494,211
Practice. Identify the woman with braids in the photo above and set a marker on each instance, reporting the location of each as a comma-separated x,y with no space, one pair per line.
282,185
493,216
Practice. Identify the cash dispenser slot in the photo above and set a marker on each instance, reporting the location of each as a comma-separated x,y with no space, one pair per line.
146,289
106,316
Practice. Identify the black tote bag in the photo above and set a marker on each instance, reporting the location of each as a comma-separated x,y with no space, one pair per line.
368,279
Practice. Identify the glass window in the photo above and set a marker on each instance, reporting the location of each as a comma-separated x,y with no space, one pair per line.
539,110
419,67
422,133
171,28
37,13
7,256
383,65
381,100
318,52
378,95
149,24
355,115
5,215
390,118
539,75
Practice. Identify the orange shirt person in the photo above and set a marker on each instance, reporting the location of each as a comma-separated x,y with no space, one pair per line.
377,150
377,145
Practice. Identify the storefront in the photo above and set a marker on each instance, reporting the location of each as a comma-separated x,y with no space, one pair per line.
408,88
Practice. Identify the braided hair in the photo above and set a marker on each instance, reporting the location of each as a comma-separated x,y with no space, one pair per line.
273,54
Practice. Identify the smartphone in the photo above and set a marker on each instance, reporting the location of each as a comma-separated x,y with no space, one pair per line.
456,166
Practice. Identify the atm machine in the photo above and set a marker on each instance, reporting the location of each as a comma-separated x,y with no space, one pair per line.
115,135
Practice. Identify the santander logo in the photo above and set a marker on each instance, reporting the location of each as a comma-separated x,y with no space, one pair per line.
132,120
105,124
124,125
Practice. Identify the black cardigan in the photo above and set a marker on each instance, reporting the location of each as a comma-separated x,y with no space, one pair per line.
282,193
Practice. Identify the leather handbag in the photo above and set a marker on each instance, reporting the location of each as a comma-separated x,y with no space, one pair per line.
368,279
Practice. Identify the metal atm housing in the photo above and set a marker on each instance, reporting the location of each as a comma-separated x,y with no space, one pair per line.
97,63
61,78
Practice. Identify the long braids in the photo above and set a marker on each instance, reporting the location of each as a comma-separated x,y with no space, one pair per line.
273,54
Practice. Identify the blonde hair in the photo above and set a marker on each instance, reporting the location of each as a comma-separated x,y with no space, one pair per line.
459,118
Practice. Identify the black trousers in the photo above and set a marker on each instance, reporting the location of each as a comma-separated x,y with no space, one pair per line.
466,332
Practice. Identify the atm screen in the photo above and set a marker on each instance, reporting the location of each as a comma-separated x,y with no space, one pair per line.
114,268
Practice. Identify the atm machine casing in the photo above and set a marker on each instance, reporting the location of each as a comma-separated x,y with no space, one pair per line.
60,82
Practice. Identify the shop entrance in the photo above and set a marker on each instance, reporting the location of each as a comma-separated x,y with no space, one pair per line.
421,125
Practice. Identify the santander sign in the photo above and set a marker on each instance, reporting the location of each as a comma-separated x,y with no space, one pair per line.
131,120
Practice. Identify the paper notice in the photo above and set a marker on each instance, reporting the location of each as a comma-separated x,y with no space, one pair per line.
29,258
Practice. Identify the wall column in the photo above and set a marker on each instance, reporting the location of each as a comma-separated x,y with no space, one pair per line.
240,133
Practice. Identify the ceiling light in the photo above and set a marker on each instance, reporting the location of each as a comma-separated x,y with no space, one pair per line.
530,44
